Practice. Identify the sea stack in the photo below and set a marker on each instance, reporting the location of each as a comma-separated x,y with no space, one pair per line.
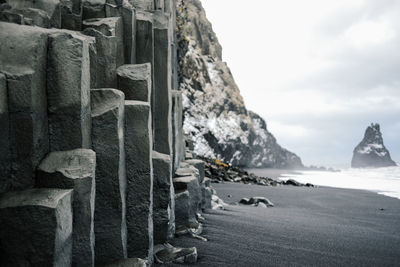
371,152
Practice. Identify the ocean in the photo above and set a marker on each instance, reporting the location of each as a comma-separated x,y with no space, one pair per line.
385,181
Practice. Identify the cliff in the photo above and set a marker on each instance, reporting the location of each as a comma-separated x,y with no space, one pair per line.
371,152
215,116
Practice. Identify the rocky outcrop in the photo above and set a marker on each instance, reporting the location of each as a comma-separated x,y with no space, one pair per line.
371,152
215,117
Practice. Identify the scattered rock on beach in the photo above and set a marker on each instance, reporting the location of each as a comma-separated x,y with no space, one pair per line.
217,203
292,182
166,253
256,201
296,183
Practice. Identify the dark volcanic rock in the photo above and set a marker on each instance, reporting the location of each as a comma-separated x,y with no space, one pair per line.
371,152
74,169
139,176
255,201
36,228
167,254
292,182
108,118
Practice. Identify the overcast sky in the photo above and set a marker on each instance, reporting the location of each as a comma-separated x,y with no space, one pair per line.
318,71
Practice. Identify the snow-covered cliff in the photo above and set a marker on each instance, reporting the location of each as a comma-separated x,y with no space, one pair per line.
215,116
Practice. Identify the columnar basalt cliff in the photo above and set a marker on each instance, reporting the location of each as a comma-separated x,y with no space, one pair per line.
215,117
371,152
92,147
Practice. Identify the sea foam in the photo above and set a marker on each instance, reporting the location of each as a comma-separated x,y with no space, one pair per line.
385,181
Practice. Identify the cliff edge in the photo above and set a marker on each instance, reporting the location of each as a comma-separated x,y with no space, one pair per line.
215,117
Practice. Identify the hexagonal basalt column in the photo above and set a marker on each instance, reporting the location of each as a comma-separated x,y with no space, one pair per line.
143,4
127,12
164,203
51,7
191,184
36,228
199,165
144,38
178,142
108,143
4,133
104,61
138,146
93,9
135,81
182,208
74,169
71,14
112,26
162,102
24,103
68,91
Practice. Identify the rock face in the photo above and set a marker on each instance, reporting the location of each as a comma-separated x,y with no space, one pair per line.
86,88
215,116
371,152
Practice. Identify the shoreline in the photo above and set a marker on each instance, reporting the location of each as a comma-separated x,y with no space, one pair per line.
321,226
351,179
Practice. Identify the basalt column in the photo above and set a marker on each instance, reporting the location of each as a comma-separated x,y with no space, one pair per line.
138,143
36,228
71,14
4,135
170,10
162,87
187,207
143,4
68,91
178,147
135,81
127,12
110,207
144,37
145,46
93,9
164,202
74,169
51,9
110,27
23,62
109,48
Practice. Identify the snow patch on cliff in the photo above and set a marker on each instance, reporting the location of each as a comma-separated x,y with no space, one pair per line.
215,117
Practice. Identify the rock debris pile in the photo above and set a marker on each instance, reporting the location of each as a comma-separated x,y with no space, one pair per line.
218,171
92,156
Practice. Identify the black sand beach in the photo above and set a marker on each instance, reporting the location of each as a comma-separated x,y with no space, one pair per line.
307,227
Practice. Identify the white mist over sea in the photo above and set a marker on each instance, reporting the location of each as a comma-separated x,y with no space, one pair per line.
385,181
